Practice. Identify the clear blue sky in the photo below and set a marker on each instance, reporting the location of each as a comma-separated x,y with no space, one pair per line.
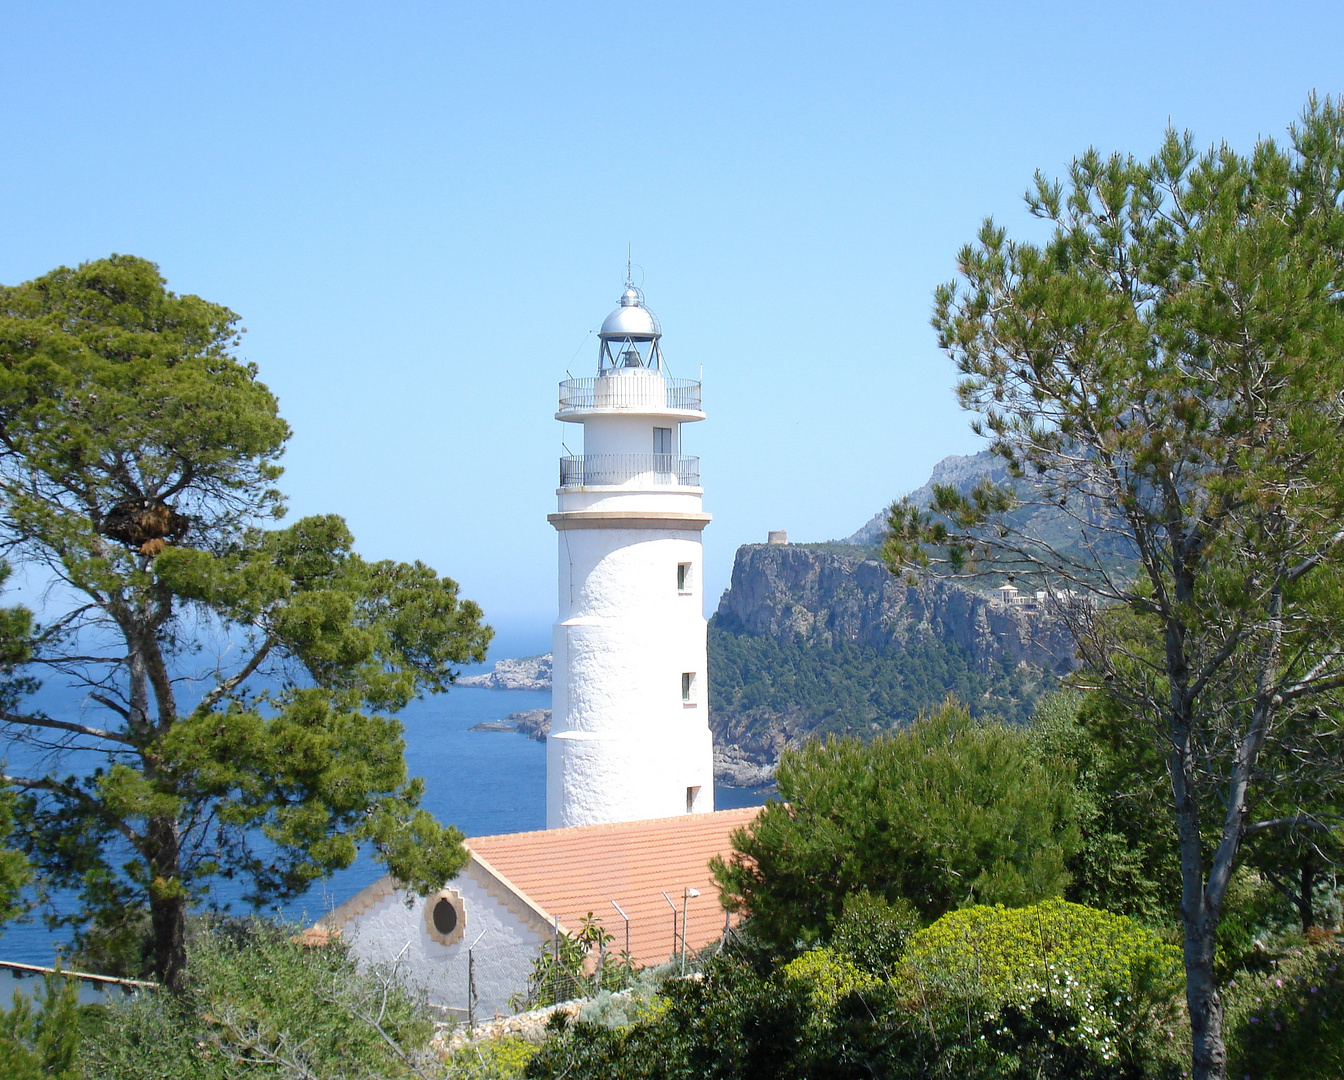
421,211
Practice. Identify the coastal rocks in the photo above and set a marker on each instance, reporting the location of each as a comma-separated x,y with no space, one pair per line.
528,673
534,723
737,767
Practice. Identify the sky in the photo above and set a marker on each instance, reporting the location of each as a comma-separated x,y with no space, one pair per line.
422,211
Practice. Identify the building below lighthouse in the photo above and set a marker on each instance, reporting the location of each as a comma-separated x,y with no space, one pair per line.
630,730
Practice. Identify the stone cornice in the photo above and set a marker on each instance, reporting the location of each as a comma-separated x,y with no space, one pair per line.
629,519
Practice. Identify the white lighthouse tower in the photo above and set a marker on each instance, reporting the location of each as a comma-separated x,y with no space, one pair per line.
630,728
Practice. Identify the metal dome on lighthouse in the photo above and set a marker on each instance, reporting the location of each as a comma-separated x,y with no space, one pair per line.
630,334
630,729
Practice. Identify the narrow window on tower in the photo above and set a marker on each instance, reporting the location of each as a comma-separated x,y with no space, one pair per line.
688,687
684,578
662,440
692,793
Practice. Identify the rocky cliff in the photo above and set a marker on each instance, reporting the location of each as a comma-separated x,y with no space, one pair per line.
826,593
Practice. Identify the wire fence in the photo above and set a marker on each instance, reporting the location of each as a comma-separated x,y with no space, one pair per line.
500,980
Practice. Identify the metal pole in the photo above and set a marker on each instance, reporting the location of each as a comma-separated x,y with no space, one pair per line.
674,924
686,894
471,983
628,959
684,899
555,960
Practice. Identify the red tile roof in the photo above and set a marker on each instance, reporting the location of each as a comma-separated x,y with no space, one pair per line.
570,872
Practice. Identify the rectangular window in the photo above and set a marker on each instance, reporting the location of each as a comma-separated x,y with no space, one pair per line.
683,578
662,440
692,793
688,686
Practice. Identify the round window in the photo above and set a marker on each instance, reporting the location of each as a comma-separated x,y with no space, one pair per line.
445,916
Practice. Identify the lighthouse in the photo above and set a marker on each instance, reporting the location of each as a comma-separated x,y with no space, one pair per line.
630,700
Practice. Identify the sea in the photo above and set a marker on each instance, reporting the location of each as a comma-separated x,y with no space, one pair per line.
484,782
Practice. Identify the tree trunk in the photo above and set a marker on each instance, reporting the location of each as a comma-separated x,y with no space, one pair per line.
1306,886
168,916
1204,1003
1199,914
167,904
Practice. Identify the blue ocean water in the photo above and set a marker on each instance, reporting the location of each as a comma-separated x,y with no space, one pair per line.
482,782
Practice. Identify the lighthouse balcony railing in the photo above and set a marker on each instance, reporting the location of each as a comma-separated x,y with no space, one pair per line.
618,392
619,470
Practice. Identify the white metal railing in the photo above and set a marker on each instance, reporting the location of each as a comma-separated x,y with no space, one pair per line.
609,470
619,391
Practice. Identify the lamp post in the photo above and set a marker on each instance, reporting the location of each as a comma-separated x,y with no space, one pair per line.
623,915
674,924
686,894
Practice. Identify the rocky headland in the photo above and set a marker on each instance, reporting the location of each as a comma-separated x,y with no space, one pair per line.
527,673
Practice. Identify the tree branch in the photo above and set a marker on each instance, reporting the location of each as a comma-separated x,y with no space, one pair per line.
34,783
1315,559
228,685
1278,823
63,725
107,702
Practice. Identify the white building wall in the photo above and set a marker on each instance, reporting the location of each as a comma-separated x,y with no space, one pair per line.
506,940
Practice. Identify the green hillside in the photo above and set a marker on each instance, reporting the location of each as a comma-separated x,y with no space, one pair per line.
761,682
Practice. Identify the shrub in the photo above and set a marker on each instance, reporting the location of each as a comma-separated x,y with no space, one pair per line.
258,1003
494,1059
873,931
725,1023
826,977
41,1038
1288,1024
1119,979
945,812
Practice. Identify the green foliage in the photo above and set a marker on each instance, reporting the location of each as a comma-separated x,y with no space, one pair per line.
946,813
872,931
257,1003
821,1015
1016,953
1166,366
568,967
15,872
641,1001
1126,861
138,460
1118,980
727,1024
1288,1024
827,976
849,689
40,1040
493,1059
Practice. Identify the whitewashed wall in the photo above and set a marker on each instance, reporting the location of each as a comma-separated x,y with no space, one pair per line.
624,745
383,920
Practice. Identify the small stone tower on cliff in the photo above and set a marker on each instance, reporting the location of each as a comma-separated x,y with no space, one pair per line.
630,730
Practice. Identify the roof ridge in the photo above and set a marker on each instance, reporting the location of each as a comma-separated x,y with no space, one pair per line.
752,811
